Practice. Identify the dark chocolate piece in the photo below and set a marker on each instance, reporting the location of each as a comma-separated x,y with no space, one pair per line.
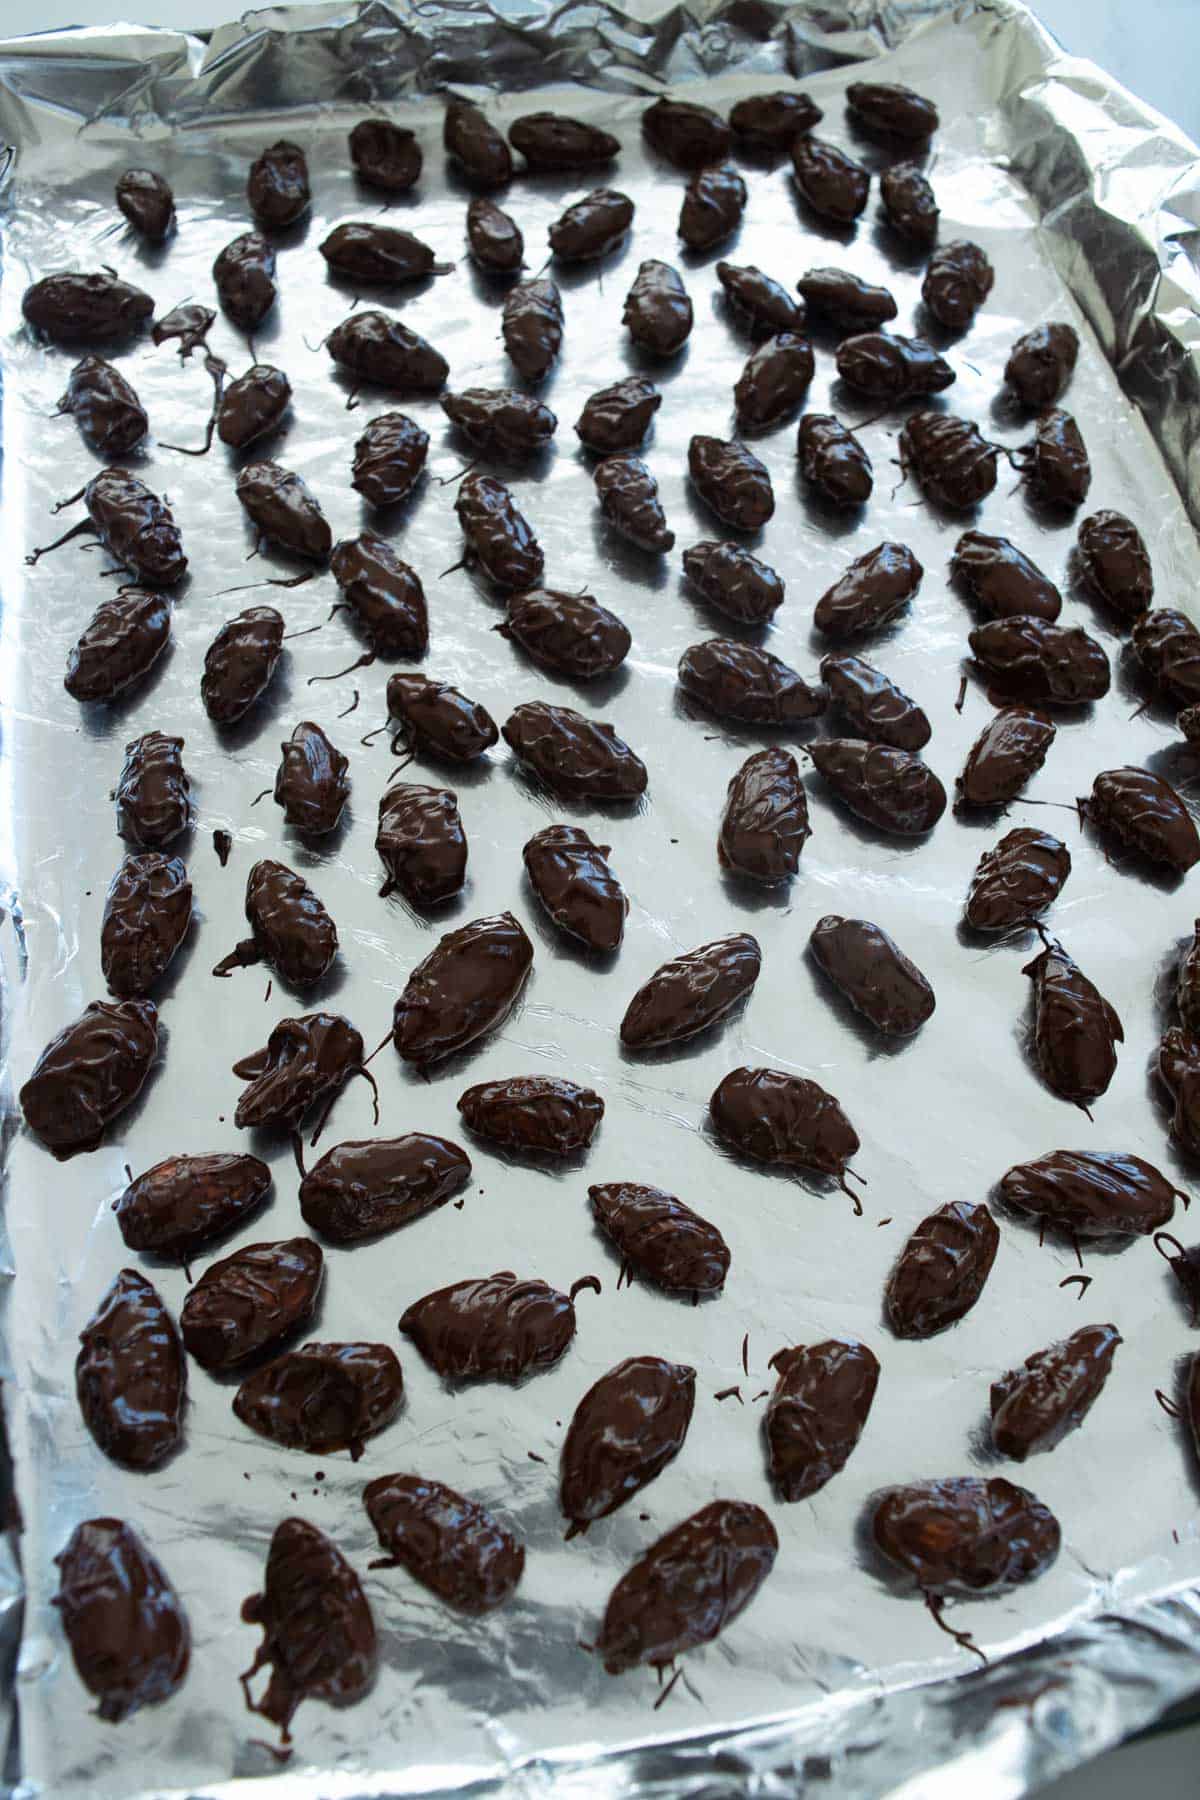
282,510
1035,1406
909,205
551,141
713,203
658,312
786,1120
152,795
454,1546
629,1425
875,707
887,367
183,1203
1015,882
1042,661
968,1535
290,928
367,1186
892,111
952,461
323,1397
833,460
571,877
732,481
251,1301
277,186
136,528
833,184
739,681
874,590
439,718
1144,813
496,241
689,136
1115,563
941,1271
1002,581
1041,363
371,347
384,595
305,1061
389,458
465,988
592,227
531,324
1179,1072
130,1375
75,307
502,421
494,1327
146,202
690,992
774,382
476,146
240,662
421,843
111,418
873,973
1009,750
580,757
147,913
124,1622
499,537
533,1114
253,405
381,255
661,1238
571,634
958,279
773,121
629,501
385,156
846,301
1076,1031
758,302
119,645
733,581
1187,984
764,826
244,274
312,783
618,417
1092,1193
1167,645
891,789
1055,463
817,1412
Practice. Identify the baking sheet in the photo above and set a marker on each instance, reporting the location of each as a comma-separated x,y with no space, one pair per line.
833,1681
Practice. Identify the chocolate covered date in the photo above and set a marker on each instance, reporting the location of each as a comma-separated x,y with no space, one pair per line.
953,463
629,1425
501,422
591,227
421,843
957,281
1015,882
816,1413
1167,645
386,156
253,405
1035,1406
498,536
383,595
1114,561
1187,983
834,185
846,301
1145,814
496,241
1002,581
1041,363
739,681
476,146
531,324
184,1202
732,481
886,367
1076,1031
492,1328
774,381
538,1114
550,140
941,1270
119,645
661,1238
277,186
873,704
890,110
1043,661
147,914
312,783
967,1535
1009,750
323,1397
874,590
373,348
453,1546
465,988
82,307
289,928
1055,463
629,501
124,1621
909,205
130,1375
251,1301
580,757
658,313
891,789
136,528
713,203
786,1120
873,973
758,302
833,460
380,255
1179,1071
152,794
689,136
691,992
240,663
773,121
145,201
571,877
764,826
111,418
735,582
244,276
305,1061
437,717
283,511
367,1186
1091,1193
571,634
617,418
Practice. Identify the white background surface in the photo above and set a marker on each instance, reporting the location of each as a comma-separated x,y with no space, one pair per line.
1151,46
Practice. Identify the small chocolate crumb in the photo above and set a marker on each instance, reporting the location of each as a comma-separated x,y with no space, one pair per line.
534,1457
726,1393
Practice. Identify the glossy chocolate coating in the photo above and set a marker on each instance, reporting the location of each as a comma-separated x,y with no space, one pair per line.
108,412
891,789
773,1117
323,1397
774,381
890,110
689,136
384,595
290,928
1043,661
152,795
501,421
372,347
421,843
75,307
690,992
873,973
661,1238
378,254
122,1618
875,707
465,988
496,241
1055,463
253,405
764,826
953,462
571,877
440,718
1179,1072
1115,563
146,202
833,184
1167,645
367,1186
833,460
887,367
618,417
147,913
941,1271
1187,984
1035,1406
130,1375
846,301
277,186
531,324
773,121
318,1633
758,302
282,509
958,279
119,645
688,1586
305,1061
713,203
733,581
312,783
385,156
244,275
1076,1031
250,1301
1145,814
552,141
136,528
389,458
592,226
1015,882
571,634
658,313
240,662
454,1546
1009,750
874,590
629,1425
580,757
184,1202
739,681
816,1414
1002,581
493,1327
629,500
1041,363
189,323
909,205
1091,1193
476,146
543,1114
968,1535
499,537
732,481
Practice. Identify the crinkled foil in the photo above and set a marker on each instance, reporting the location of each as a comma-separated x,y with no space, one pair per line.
833,1682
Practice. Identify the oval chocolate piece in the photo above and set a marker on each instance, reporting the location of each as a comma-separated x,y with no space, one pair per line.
739,681
147,913
583,758
152,795
384,595
130,1375
661,1238
629,500
874,590
1056,464
371,347
1015,882
146,202
494,1327
968,1535
876,708
846,301
688,135
385,156
1035,1406
543,1114
571,877
958,279
886,367
550,140
476,145
240,662
691,992
773,121
290,928
1092,1193
833,184
816,1414
1009,750
1167,645
389,458
378,254
764,826
941,1270
713,203
1179,1072
498,536
891,789
629,1425
735,582
618,417
909,205
887,108
89,1072
367,1186
136,528
312,783
658,312
253,405
124,1622
465,988
873,973
772,385
496,240
440,718
501,422
108,412
1058,663
732,481
244,275
1003,582
323,1397
1116,564
454,1546
954,464
1041,363
78,307
759,303
277,185
421,843
282,510
773,1117
833,460
531,324
1145,814
592,227
1187,983
304,1061
184,1202
119,646
1076,1031
250,1301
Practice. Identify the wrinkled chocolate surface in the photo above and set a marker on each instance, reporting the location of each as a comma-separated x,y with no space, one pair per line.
1115,563
773,1117
147,915
941,1270
658,313
461,991
660,1237
545,1114
618,417
493,1327
872,703
312,783
846,301
764,826
967,1535
282,509
421,842
1091,1193
501,422
125,1624
323,1397
146,202
1035,1406
184,1202
1002,581
240,662
1145,814
1043,661
890,110
735,582
277,185
378,255
1179,1072
732,481
1167,645
571,634
498,536
833,184
289,927
774,381
251,1301
385,156
1055,463
817,1412
130,1375
891,789
887,367
1041,363
954,464
873,973
440,718
89,1073
367,1186
688,135
372,347
136,528
244,274
591,227
739,681
626,1429
119,646
108,412
550,140
495,239
571,877
909,205
1017,880
1009,750
629,500
455,1547
78,307
773,121
758,302
713,203
580,757
832,458
253,405
383,594
531,324
690,992
305,1060
958,279
476,145
1076,1031
874,590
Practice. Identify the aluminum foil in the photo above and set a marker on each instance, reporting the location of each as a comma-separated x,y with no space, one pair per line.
833,1682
